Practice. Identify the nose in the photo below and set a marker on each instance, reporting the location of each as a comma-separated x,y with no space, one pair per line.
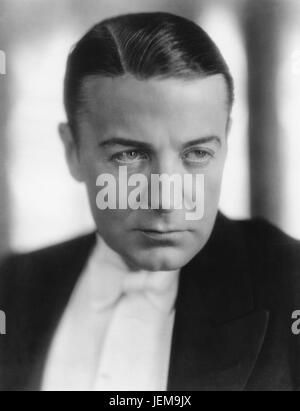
166,188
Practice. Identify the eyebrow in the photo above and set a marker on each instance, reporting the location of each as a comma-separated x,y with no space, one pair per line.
146,146
117,141
203,140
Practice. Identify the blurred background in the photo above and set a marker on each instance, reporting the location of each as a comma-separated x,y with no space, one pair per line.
39,202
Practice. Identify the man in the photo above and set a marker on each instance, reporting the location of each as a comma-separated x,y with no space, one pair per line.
153,301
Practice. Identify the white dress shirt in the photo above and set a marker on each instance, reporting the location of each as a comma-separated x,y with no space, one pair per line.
116,332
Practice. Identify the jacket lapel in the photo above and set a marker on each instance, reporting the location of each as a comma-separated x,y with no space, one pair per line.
218,334
71,267
49,284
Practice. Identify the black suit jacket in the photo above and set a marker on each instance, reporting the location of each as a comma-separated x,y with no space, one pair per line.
233,311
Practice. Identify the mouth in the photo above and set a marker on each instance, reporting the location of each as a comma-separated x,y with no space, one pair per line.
163,236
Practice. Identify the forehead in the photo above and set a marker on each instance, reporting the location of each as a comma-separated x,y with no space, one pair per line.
171,105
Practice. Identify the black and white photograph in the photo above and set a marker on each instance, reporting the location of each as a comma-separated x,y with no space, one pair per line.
149,198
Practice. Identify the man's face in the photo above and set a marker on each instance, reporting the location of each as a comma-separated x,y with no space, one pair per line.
153,127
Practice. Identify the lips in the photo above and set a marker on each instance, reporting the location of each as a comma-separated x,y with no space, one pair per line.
165,236
163,231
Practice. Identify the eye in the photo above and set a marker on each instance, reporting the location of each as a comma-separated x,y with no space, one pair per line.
129,156
197,156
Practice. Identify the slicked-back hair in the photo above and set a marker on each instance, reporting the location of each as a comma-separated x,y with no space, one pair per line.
144,45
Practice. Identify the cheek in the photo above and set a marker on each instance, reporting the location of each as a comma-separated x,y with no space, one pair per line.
109,224
113,221
212,187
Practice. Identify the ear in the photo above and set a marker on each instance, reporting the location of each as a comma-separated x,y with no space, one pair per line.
71,151
229,126
228,129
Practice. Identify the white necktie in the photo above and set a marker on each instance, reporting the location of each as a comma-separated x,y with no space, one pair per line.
116,331
155,286
143,310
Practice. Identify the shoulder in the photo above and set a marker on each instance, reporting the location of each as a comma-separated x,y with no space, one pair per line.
22,269
268,245
56,253
262,237
273,260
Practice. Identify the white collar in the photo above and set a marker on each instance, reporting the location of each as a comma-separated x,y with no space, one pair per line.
109,276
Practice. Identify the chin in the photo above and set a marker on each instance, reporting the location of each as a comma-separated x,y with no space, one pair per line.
169,262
